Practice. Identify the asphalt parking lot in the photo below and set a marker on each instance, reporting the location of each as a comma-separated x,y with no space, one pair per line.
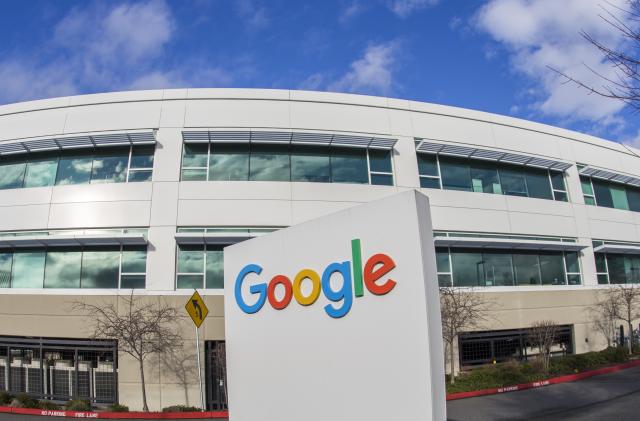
605,397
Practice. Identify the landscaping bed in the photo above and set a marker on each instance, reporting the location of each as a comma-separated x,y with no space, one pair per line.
513,373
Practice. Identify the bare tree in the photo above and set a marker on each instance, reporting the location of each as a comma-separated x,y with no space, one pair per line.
542,336
625,84
627,298
142,328
182,365
604,313
461,310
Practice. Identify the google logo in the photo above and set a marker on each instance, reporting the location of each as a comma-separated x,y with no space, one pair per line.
355,278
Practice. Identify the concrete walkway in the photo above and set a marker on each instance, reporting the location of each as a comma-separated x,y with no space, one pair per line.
609,396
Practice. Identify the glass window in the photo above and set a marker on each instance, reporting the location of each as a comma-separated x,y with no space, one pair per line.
310,163
110,167
633,197
195,155
190,267
269,163
442,260
572,262
617,274
429,183
467,268
484,178
381,180
134,260
74,169
455,175
444,280
194,175
349,165
229,162
100,268
137,176
538,184
62,269
585,182
380,160
513,182
560,196
601,262
527,269
589,200
5,269
552,269
427,164
619,197
498,270
28,269
129,281
603,279
603,194
142,157
215,269
557,180
11,174
41,172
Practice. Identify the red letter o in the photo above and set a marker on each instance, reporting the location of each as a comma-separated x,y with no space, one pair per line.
271,292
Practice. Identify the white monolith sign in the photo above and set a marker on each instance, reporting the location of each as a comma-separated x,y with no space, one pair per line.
337,318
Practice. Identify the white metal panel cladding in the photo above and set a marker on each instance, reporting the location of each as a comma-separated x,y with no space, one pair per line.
186,238
617,249
490,155
78,142
285,138
510,244
610,176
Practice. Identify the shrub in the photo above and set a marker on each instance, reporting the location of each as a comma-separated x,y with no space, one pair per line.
116,407
79,405
5,398
25,401
180,408
48,405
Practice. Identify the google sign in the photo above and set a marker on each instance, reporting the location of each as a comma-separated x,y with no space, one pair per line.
354,276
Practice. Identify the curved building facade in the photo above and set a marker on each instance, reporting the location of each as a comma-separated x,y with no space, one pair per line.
101,195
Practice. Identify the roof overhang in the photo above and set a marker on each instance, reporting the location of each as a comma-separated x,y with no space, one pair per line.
286,138
617,248
610,176
73,240
433,148
507,244
220,239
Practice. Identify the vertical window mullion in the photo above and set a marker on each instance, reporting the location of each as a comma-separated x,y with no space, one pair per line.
539,269
439,173
129,163
204,268
368,166
208,160
595,199
120,267
606,265
450,264
564,264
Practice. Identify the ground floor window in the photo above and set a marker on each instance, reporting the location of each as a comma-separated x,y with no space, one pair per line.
618,268
59,369
216,379
476,348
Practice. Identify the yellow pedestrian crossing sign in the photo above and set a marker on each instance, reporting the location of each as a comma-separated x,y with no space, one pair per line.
197,309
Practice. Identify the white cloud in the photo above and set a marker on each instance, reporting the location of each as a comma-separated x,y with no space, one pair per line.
353,9
312,83
255,17
404,8
539,34
104,47
373,72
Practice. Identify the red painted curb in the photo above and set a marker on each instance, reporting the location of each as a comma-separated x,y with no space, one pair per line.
115,415
554,380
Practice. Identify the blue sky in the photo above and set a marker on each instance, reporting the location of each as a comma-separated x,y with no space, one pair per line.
489,55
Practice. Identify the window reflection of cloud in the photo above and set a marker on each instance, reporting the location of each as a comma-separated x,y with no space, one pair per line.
100,269
190,261
28,269
227,167
270,167
5,269
11,175
62,270
41,173
310,168
74,171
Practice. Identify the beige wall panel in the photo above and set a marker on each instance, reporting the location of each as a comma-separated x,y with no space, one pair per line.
234,213
338,117
31,196
120,116
460,219
32,124
237,113
217,190
528,223
107,192
452,129
23,217
530,142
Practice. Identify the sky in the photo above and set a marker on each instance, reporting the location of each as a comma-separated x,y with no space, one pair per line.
489,55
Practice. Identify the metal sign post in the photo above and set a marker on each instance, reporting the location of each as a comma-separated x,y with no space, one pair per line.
197,309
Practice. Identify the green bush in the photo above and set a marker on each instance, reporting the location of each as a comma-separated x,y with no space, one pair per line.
116,407
180,408
26,401
48,405
5,398
78,405
511,373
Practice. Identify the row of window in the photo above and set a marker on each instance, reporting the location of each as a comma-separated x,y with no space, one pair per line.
473,267
443,172
225,162
95,267
610,195
112,165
